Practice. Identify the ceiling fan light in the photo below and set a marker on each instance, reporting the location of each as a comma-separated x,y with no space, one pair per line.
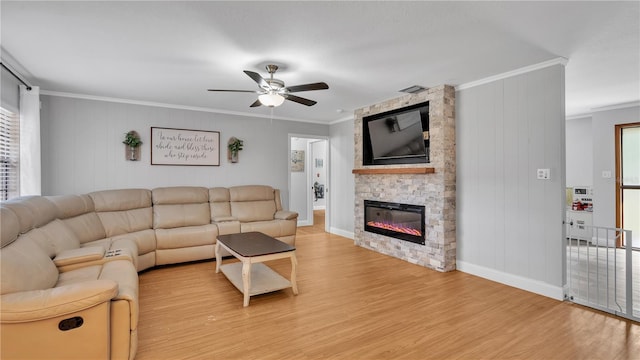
271,100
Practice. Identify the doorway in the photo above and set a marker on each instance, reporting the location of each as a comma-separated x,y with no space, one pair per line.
309,179
628,181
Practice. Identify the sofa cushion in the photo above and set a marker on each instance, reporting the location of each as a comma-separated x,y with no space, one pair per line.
180,215
77,212
120,200
9,226
25,219
53,238
249,211
32,211
180,195
24,266
187,236
72,205
219,202
43,209
252,202
180,206
274,228
128,221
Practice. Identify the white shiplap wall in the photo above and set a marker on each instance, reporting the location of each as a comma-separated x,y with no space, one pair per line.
342,191
509,224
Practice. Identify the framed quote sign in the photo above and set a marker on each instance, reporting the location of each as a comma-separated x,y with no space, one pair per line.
185,147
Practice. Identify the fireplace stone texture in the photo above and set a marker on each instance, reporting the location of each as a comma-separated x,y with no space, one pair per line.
437,191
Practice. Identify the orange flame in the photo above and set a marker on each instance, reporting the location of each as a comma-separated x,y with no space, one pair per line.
394,227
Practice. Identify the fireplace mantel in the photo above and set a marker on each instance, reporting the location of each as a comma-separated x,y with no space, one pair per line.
412,170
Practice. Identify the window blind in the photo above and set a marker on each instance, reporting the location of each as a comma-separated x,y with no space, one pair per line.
9,154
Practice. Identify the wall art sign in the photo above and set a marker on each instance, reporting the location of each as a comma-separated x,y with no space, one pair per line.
297,160
185,147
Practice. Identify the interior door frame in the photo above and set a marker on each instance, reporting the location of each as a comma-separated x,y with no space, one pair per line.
309,173
619,185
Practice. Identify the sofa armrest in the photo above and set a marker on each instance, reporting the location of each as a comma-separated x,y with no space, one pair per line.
286,215
79,255
218,219
38,305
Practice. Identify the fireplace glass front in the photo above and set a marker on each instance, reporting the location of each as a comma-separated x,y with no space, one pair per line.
401,221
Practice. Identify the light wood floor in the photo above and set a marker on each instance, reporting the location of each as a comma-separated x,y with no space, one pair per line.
358,304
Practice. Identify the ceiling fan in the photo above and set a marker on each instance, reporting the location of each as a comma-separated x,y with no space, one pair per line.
273,92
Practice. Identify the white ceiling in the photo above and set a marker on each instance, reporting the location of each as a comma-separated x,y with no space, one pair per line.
170,52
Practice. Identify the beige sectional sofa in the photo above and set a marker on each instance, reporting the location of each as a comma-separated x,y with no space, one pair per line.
69,264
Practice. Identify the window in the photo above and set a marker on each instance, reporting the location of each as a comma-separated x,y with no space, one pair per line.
9,155
628,181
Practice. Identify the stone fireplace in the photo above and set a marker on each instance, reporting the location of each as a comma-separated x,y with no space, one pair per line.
431,185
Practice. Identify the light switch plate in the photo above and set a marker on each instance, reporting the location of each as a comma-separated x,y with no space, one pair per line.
544,174
606,174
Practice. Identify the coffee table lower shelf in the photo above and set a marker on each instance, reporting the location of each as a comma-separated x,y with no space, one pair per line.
263,278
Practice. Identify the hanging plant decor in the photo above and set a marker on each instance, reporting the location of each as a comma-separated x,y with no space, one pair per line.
133,142
234,145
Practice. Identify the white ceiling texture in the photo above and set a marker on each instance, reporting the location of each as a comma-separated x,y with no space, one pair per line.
170,52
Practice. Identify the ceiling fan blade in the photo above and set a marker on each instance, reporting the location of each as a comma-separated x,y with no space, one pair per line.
308,87
256,103
258,79
241,91
299,100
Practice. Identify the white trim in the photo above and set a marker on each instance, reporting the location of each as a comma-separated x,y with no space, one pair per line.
557,61
351,117
173,106
304,223
617,106
343,233
579,116
534,286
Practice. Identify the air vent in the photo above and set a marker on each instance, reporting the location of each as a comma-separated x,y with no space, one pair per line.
414,89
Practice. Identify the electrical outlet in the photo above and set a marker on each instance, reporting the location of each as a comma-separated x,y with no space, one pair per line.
544,174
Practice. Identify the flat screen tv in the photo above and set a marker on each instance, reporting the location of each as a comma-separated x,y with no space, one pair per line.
398,136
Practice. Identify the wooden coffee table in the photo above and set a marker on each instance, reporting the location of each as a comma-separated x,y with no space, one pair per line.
249,275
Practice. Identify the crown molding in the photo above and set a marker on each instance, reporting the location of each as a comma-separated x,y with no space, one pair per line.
617,106
589,114
173,106
557,61
348,118
579,116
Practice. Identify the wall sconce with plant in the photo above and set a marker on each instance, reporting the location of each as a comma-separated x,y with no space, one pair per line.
133,142
234,145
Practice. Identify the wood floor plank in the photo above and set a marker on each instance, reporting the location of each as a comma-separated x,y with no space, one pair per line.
357,304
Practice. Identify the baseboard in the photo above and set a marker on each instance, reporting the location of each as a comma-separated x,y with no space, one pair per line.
304,223
341,232
319,207
534,286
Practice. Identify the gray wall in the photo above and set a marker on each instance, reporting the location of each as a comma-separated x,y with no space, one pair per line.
604,190
342,191
82,148
509,223
579,145
299,181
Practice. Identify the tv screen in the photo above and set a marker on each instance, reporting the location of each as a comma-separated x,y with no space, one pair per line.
397,137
